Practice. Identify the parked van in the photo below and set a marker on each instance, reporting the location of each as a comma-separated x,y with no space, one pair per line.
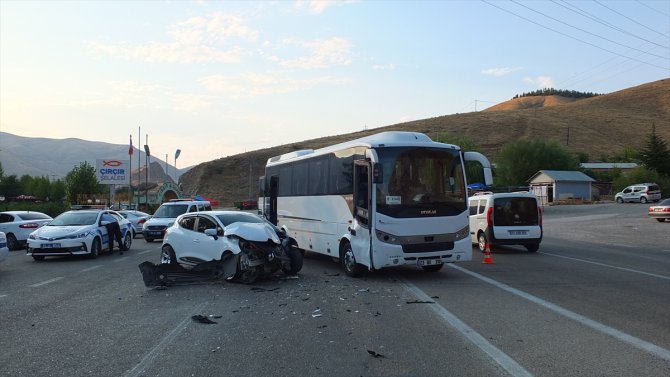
513,218
167,213
640,192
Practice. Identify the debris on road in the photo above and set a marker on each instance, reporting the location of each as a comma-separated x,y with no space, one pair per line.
203,319
375,354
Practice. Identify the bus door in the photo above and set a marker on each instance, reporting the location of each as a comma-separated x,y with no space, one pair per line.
361,228
274,190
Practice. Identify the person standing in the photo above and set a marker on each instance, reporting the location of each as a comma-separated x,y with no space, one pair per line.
113,231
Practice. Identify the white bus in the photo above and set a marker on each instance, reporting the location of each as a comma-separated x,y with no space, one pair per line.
390,199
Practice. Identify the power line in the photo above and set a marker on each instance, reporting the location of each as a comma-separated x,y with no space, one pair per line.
654,9
583,13
585,31
628,18
575,38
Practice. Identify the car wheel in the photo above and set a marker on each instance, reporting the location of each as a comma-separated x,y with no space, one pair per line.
348,260
619,200
295,256
643,200
482,241
38,257
433,268
96,247
167,255
127,242
660,220
148,239
12,243
532,248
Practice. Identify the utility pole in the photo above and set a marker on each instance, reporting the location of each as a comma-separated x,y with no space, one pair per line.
146,171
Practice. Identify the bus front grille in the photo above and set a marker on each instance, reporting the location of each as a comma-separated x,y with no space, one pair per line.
427,247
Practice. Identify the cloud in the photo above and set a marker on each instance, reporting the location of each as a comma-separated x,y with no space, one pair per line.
384,67
194,40
321,53
540,81
254,84
497,72
319,6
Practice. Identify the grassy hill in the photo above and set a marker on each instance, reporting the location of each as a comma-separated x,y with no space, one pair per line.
597,126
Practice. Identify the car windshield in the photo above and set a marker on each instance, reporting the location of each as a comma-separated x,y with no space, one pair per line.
420,180
665,202
229,218
75,218
171,211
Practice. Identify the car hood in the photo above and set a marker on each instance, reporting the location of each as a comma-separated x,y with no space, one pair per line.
259,232
61,231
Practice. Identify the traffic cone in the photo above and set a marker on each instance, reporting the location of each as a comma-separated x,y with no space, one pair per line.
487,256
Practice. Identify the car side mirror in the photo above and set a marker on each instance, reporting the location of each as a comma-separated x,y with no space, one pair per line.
212,232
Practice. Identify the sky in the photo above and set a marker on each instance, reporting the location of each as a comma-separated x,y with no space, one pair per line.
218,78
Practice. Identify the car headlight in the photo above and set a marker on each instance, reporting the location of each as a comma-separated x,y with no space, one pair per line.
77,236
32,236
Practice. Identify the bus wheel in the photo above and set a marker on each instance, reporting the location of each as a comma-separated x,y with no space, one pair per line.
351,267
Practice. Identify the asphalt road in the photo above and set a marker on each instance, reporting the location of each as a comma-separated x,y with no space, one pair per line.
594,301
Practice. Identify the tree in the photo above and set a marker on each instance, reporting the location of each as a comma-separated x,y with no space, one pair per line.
517,161
655,154
81,181
10,186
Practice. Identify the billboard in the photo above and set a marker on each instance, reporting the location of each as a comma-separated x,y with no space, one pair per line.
113,172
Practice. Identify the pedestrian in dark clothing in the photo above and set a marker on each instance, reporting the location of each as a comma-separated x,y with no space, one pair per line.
113,232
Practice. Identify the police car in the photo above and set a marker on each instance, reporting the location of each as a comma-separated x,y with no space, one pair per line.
79,232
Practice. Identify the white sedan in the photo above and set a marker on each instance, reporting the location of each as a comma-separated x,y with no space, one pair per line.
4,251
81,232
18,225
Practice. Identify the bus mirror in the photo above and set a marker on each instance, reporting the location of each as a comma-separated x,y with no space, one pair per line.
377,173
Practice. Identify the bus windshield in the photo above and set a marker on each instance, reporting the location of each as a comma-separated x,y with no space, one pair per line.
420,182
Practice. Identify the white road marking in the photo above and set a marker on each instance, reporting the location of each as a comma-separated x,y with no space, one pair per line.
91,268
469,333
145,251
1,296
120,259
610,266
620,335
46,282
149,358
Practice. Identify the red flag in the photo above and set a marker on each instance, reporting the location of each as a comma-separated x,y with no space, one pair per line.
130,149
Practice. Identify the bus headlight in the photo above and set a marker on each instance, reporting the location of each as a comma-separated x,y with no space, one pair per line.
388,238
463,233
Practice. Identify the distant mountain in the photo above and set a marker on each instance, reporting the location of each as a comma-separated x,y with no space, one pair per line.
597,126
54,158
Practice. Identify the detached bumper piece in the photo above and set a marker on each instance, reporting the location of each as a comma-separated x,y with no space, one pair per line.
163,275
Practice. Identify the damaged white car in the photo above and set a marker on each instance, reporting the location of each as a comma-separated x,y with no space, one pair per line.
222,245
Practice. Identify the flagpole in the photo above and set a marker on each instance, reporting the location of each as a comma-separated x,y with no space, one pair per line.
130,167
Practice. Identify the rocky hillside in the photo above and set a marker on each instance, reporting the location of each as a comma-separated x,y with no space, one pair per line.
597,126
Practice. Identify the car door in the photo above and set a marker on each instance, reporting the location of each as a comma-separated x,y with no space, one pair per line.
627,194
206,247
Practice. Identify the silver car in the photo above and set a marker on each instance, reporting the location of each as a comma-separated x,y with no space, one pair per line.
640,193
17,226
136,218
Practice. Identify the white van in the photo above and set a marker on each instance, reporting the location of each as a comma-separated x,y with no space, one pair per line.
513,218
167,213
